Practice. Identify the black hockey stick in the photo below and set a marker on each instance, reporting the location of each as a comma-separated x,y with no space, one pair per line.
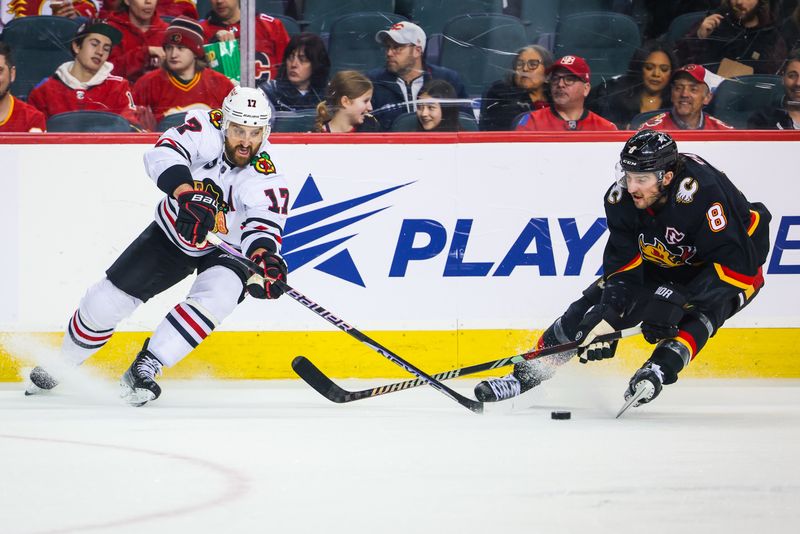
333,392
475,406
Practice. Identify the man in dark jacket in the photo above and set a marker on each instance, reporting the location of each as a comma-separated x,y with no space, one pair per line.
397,85
787,115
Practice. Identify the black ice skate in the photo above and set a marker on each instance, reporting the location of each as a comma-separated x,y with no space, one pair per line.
518,382
41,380
138,384
645,386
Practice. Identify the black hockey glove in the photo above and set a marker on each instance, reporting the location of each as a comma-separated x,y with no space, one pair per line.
197,211
596,322
662,314
262,286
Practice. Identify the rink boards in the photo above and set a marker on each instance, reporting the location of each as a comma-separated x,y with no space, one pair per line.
449,249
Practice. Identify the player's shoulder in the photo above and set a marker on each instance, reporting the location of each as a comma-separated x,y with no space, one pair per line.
262,165
210,119
698,182
617,197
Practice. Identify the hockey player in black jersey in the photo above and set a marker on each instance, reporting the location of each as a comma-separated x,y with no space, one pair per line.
684,254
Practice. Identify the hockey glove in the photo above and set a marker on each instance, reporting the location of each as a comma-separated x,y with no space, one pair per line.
262,285
596,323
662,314
197,211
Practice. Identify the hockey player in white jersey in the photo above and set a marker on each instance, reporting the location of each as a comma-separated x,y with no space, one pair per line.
218,176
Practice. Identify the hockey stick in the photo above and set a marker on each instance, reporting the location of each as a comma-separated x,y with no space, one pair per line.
333,392
475,406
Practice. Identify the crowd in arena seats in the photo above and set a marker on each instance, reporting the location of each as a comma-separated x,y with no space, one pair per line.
695,64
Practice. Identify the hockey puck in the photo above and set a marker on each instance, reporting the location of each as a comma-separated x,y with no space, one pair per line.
560,415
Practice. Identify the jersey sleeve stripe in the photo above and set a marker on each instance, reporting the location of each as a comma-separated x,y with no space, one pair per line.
755,218
258,220
634,263
166,142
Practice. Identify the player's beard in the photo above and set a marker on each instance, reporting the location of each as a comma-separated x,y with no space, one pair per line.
236,158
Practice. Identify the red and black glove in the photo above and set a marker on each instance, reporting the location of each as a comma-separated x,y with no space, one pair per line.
262,285
662,314
197,212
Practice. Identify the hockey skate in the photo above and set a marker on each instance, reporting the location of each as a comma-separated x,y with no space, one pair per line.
524,377
138,383
645,385
40,380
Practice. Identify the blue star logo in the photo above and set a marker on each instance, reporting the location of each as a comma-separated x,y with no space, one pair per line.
302,245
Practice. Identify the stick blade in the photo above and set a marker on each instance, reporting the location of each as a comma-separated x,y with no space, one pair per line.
641,391
315,378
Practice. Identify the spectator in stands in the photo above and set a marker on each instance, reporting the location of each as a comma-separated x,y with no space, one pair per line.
790,29
740,30
398,84
142,35
434,114
271,37
184,82
177,8
15,115
692,88
645,87
523,90
660,13
786,116
71,9
347,105
87,83
302,76
569,87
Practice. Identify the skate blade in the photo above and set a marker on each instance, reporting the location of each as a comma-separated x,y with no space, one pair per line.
33,389
136,397
642,389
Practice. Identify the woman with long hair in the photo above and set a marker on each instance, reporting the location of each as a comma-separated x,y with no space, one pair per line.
347,106
645,87
523,90
302,76
434,115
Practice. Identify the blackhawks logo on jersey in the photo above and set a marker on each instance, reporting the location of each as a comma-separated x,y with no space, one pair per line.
215,116
263,164
658,253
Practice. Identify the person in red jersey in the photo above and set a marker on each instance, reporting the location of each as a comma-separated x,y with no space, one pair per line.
184,82
177,8
15,115
569,87
142,35
692,89
271,37
71,9
87,83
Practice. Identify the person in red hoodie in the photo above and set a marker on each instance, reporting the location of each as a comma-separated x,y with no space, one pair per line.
271,36
87,83
142,35
15,115
176,8
184,82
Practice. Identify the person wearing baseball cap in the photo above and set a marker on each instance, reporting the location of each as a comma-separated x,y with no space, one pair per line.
86,83
569,86
692,88
183,82
397,85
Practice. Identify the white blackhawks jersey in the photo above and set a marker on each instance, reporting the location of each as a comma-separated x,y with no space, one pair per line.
253,200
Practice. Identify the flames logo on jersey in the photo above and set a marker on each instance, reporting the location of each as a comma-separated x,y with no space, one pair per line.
263,164
215,116
662,256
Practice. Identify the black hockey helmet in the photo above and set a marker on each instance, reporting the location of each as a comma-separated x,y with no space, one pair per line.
649,151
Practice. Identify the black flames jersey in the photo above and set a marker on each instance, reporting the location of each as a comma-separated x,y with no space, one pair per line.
707,237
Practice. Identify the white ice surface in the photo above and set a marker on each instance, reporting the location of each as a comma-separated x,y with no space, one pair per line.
709,456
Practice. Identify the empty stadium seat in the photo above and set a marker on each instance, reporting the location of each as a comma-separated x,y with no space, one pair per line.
88,121
681,24
291,25
432,15
294,121
540,18
169,121
351,43
481,47
606,40
39,44
273,7
320,14
738,98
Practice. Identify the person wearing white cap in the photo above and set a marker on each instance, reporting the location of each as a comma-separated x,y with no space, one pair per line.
397,85
693,88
